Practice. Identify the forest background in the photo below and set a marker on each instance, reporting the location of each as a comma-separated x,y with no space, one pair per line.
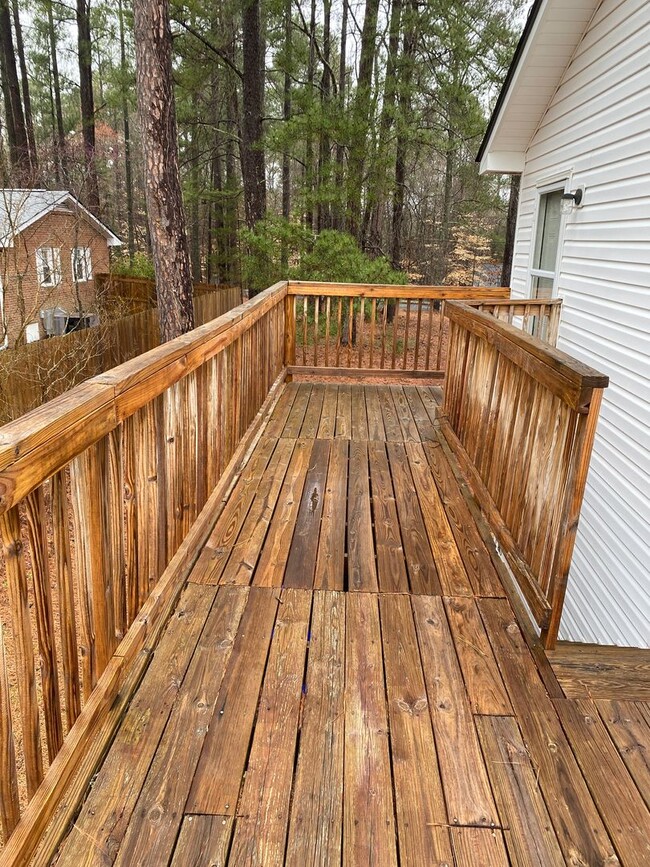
325,139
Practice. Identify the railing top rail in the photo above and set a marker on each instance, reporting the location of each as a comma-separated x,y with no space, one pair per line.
388,290
564,375
38,444
515,302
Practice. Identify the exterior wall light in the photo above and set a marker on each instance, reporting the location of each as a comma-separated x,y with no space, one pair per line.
572,200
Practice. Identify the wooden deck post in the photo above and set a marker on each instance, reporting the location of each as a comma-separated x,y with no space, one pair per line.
289,332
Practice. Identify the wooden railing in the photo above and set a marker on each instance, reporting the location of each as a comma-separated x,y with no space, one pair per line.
379,330
532,316
521,416
98,491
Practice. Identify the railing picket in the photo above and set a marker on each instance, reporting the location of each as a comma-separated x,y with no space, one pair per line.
395,324
384,321
316,331
360,335
9,799
65,584
305,309
36,526
373,317
339,333
406,333
327,330
23,647
417,334
350,329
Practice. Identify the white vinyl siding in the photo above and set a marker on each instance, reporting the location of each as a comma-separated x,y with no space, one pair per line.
596,134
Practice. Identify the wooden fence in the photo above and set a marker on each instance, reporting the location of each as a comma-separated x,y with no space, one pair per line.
33,374
98,491
522,416
379,330
135,294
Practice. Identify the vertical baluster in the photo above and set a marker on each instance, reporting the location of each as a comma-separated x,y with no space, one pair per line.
9,802
67,616
305,308
417,334
23,647
441,334
360,335
527,323
395,327
384,320
350,330
373,316
339,335
115,529
429,332
406,333
36,522
316,300
327,331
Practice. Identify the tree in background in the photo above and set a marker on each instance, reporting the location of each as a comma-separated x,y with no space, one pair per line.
157,111
355,115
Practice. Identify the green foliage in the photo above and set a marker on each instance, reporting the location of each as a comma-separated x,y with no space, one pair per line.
336,257
142,266
330,256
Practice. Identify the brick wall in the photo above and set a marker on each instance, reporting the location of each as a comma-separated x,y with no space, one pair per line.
23,296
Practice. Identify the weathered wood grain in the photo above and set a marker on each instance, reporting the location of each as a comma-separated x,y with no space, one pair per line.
263,812
362,569
368,813
419,801
203,841
315,829
530,837
301,562
330,563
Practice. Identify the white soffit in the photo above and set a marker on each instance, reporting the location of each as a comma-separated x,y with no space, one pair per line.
550,45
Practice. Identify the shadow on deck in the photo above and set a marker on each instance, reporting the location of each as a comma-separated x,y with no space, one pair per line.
344,679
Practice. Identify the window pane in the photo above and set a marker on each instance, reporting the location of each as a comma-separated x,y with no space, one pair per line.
548,231
542,287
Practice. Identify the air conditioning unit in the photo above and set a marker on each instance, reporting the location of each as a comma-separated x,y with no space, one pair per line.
54,321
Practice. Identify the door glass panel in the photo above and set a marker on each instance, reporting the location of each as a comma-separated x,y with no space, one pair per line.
548,231
543,287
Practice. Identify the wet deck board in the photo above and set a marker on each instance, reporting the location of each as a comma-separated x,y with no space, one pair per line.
384,709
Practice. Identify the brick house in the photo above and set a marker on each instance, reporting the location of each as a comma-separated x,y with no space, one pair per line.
50,248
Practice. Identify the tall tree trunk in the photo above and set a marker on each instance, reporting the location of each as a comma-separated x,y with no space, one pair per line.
361,118
339,213
19,155
87,104
157,111
128,175
405,75
59,130
286,116
447,202
195,227
309,143
511,225
27,103
377,192
324,168
252,149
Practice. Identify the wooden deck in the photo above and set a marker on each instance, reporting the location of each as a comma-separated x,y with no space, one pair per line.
344,680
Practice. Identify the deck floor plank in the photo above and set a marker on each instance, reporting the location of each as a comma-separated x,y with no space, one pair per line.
362,569
263,812
419,800
330,561
580,830
423,575
624,812
391,565
465,780
315,830
216,783
245,553
368,811
203,840
156,819
385,709
530,837
301,562
629,728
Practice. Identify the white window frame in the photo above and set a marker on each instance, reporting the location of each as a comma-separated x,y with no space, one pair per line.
53,261
562,183
86,258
